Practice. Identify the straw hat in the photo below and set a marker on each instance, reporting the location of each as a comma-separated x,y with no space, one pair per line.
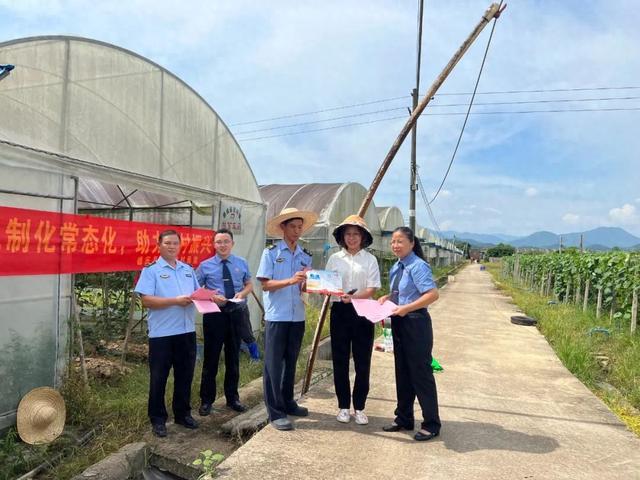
308,220
355,220
41,416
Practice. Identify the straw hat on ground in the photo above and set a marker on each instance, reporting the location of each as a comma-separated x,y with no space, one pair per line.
41,416
308,220
354,220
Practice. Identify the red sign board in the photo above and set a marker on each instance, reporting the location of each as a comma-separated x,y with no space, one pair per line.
35,242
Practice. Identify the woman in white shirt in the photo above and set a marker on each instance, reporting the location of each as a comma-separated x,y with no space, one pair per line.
349,332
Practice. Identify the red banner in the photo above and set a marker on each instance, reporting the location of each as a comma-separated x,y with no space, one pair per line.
34,242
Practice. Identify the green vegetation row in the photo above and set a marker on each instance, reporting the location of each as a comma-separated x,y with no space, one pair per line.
606,280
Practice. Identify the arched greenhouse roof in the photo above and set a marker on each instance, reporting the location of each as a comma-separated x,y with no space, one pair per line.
110,107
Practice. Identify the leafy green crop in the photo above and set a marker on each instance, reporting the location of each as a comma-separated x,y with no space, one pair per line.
617,274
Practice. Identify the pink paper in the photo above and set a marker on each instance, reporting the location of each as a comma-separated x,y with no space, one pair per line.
372,310
206,306
203,294
202,300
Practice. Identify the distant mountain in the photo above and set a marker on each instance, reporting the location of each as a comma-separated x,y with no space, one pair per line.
596,239
602,238
479,239
539,240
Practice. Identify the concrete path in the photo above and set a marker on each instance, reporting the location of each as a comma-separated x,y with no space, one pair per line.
510,410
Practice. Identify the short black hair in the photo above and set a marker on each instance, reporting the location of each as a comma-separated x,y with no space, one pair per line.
291,220
225,230
166,233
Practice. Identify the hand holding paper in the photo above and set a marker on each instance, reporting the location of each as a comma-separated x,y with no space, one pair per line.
202,299
372,310
324,282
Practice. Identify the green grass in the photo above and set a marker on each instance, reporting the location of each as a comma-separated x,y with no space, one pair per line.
567,329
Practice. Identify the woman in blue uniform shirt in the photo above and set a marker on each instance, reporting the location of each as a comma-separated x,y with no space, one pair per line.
412,289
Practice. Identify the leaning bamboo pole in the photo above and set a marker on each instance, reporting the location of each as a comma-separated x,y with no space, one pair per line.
493,12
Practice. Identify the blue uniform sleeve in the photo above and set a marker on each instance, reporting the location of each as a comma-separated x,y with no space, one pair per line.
200,275
247,273
196,280
146,283
422,277
265,270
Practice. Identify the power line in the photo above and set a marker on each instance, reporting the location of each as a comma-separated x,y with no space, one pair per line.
423,195
332,109
506,112
466,118
375,112
391,99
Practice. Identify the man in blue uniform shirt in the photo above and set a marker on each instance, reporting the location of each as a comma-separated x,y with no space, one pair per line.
165,287
229,275
282,273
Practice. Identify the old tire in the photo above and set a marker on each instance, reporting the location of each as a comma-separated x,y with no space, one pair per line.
523,320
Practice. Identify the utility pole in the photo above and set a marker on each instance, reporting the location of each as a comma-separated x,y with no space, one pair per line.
413,186
560,249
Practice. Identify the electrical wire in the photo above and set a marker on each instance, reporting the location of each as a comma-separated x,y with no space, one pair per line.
391,99
423,195
375,112
466,118
506,112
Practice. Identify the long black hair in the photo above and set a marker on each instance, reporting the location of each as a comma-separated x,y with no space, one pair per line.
407,232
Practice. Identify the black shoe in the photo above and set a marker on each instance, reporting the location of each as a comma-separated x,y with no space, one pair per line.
205,409
237,406
159,429
299,411
282,424
394,427
423,437
187,422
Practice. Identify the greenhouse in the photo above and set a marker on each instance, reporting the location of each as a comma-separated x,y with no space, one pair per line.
88,127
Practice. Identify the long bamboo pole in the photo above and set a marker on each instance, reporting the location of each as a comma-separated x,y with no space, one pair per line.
492,12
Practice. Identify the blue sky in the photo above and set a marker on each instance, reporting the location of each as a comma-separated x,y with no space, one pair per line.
514,173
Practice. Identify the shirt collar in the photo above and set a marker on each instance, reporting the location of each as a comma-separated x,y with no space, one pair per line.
163,263
345,253
282,245
408,260
217,259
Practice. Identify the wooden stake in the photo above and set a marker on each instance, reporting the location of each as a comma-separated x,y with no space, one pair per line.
76,316
599,303
578,290
634,311
586,295
132,310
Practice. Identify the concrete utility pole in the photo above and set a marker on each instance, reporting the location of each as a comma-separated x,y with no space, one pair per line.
493,12
560,247
413,186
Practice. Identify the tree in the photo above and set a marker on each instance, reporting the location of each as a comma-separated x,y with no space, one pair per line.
501,250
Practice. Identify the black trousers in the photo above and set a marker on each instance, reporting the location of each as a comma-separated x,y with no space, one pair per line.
179,352
412,344
282,342
245,329
221,329
350,333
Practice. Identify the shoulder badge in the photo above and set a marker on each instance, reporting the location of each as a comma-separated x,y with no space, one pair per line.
149,264
271,247
307,252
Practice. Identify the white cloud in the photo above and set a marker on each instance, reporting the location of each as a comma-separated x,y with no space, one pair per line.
445,193
446,225
531,192
637,200
492,210
625,215
571,218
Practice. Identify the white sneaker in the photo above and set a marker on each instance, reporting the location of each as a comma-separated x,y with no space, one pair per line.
361,418
343,416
